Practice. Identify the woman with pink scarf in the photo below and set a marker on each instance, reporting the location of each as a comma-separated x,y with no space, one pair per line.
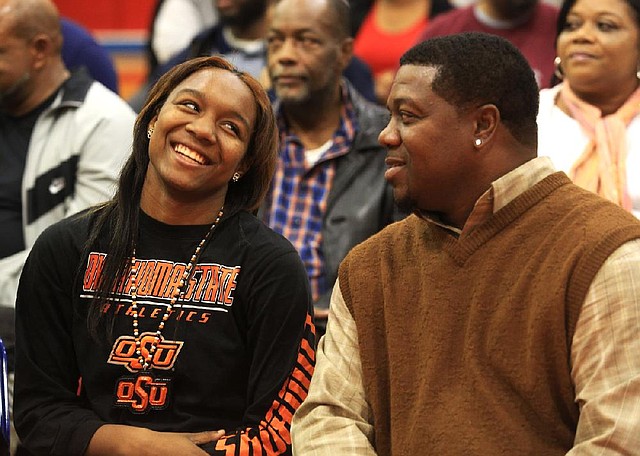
588,123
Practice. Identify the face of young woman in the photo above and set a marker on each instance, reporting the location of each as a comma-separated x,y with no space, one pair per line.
599,46
199,139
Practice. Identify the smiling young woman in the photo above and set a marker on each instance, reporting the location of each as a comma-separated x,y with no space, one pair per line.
171,320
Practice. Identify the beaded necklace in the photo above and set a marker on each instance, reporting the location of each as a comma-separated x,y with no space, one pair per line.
178,294
126,385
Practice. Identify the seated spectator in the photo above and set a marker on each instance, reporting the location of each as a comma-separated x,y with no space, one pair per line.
57,129
589,124
80,49
170,320
503,316
174,24
328,193
384,29
528,24
63,137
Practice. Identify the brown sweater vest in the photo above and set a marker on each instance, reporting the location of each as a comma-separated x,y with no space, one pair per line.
465,344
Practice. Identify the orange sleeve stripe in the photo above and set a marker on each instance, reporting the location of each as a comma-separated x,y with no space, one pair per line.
273,436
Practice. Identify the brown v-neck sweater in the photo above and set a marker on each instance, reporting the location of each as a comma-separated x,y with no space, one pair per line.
465,343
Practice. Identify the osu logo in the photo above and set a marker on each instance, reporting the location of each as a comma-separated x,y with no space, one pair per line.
124,352
142,393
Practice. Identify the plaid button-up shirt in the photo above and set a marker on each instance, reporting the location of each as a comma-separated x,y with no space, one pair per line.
297,200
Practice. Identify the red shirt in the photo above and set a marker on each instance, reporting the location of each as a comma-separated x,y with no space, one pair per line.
535,37
382,50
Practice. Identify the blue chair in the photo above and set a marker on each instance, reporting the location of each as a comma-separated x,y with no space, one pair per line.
4,403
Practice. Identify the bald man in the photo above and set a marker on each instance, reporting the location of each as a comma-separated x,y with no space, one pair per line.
63,138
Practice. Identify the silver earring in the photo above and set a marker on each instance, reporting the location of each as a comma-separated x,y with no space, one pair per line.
236,177
149,133
478,142
638,71
557,69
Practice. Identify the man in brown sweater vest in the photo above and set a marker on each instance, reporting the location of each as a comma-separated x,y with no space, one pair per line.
503,316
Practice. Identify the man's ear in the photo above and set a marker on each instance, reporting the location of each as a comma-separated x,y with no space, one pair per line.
346,52
487,118
41,48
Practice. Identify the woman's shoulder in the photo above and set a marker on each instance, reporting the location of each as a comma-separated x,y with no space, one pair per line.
71,226
261,247
256,234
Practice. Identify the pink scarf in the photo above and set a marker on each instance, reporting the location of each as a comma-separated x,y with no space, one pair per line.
602,166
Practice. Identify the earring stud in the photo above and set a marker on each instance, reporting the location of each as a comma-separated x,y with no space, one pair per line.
149,133
478,142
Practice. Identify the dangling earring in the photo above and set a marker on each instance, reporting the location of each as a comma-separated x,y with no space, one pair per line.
478,142
557,69
149,132
236,177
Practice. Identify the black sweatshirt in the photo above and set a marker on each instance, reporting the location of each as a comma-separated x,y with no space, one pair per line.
236,354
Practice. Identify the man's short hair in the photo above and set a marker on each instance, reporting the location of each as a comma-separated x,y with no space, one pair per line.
476,68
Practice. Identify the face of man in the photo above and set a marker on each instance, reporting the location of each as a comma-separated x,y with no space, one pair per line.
16,59
305,57
240,12
429,145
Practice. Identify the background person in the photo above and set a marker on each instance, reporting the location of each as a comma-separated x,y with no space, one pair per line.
509,300
528,24
174,24
384,29
328,193
58,153
148,323
589,123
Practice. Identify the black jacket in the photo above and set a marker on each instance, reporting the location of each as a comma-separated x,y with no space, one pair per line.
360,202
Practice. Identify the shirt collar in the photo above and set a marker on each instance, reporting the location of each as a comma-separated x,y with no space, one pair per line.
502,191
